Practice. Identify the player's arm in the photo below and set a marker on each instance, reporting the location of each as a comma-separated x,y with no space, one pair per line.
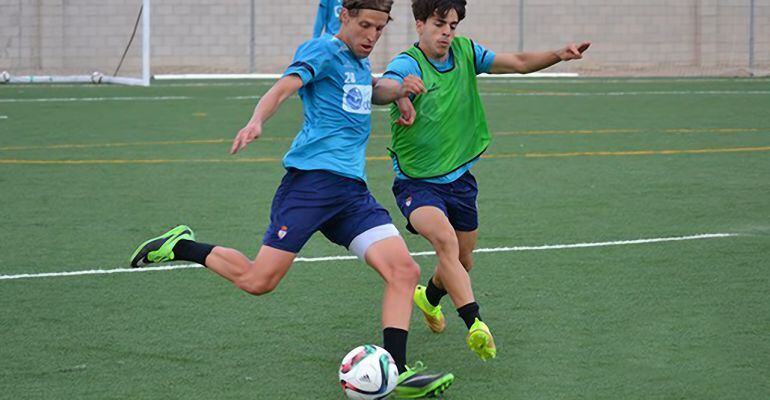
320,20
524,63
389,90
407,110
267,106
401,79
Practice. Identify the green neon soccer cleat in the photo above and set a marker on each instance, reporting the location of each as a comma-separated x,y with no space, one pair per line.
414,383
480,341
433,315
160,249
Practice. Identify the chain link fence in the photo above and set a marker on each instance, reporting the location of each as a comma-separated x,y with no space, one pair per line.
631,37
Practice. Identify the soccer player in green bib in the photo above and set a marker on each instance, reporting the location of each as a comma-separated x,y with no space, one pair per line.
441,134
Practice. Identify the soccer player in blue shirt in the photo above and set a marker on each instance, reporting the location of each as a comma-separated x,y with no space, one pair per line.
328,17
432,159
324,188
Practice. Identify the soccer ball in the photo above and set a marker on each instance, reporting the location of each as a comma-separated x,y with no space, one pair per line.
96,77
5,77
368,372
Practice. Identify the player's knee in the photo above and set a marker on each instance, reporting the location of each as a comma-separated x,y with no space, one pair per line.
406,273
257,287
444,241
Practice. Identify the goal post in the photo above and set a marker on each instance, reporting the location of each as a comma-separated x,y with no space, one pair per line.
79,42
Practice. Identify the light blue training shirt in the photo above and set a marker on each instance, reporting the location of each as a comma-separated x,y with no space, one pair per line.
328,18
337,101
403,65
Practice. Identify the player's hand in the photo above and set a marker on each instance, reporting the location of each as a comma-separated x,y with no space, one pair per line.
245,136
573,51
411,85
408,113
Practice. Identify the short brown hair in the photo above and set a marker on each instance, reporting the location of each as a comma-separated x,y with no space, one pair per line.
424,9
377,5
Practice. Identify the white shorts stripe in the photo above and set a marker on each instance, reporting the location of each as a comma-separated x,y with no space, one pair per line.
363,241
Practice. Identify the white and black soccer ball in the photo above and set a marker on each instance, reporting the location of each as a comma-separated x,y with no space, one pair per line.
5,77
96,77
368,372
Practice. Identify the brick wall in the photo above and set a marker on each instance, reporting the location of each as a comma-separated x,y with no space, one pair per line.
630,36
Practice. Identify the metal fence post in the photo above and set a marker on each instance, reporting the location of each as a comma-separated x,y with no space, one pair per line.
521,25
252,39
751,38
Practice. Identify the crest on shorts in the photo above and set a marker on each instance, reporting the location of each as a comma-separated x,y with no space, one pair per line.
282,232
408,201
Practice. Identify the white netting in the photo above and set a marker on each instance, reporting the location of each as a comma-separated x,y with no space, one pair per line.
71,39
631,37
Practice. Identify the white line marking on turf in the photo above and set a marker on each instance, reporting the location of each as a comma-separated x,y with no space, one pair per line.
71,99
494,94
591,81
256,97
422,253
640,93
3,117
531,80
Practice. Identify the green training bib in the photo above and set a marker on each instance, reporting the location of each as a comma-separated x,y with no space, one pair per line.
450,128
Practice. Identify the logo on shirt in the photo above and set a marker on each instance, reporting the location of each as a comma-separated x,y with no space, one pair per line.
408,201
282,232
357,99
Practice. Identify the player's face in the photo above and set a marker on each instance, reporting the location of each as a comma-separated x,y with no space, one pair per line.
361,32
436,34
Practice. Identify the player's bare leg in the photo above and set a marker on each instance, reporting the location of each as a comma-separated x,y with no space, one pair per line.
451,276
390,258
256,277
431,223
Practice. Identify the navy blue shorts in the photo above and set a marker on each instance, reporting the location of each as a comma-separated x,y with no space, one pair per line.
309,201
456,199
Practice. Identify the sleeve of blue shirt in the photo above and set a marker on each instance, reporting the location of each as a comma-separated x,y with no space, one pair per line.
310,60
320,19
484,58
401,67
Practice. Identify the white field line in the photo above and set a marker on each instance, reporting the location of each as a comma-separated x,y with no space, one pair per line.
3,117
162,85
422,253
255,97
162,77
624,80
74,99
493,94
529,79
639,93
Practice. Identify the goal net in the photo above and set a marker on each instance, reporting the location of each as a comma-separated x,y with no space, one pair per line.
53,41
86,41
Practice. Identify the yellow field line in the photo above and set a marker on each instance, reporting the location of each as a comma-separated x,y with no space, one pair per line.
621,130
287,139
386,158
715,130
630,153
567,132
155,161
127,144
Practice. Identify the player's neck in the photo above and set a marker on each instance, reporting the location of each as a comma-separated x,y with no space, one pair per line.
347,43
431,55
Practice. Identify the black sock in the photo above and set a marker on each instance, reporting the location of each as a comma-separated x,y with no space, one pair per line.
394,341
469,313
433,293
187,250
